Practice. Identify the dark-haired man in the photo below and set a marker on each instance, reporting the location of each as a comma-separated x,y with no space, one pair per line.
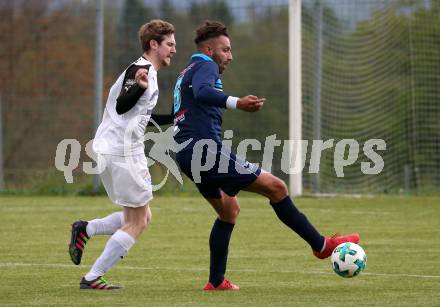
199,103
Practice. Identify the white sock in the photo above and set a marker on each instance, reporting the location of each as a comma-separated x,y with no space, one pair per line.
105,226
115,249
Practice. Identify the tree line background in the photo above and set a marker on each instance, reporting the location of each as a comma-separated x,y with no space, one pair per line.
379,78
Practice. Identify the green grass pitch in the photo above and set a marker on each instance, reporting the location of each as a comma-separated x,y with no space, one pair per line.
169,264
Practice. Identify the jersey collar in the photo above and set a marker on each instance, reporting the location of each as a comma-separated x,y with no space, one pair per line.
144,61
203,56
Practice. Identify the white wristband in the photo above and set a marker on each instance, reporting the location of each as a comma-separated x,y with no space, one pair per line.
231,102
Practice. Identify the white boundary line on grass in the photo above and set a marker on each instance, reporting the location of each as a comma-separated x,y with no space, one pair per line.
388,275
62,265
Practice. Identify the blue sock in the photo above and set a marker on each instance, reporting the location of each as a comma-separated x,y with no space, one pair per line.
218,245
298,222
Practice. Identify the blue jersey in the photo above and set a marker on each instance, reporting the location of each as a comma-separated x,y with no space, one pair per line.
199,101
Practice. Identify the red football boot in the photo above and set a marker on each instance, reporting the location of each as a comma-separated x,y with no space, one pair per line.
225,285
335,240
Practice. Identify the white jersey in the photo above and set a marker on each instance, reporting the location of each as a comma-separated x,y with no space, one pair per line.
123,135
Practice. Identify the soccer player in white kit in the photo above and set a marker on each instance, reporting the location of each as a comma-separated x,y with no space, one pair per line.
119,144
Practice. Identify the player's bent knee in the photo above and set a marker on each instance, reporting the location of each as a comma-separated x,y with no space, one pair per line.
230,215
134,229
235,212
139,227
278,190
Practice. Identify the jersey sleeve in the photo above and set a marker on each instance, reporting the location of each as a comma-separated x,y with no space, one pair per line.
130,91
203,86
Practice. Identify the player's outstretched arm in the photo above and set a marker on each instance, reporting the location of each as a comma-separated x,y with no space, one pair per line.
250,103
162,119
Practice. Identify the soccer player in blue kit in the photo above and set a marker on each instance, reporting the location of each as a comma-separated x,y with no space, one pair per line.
199,103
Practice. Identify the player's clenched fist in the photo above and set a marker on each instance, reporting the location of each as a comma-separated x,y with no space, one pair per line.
141,78
250,103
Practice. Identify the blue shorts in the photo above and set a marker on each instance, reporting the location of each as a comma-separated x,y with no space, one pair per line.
229,174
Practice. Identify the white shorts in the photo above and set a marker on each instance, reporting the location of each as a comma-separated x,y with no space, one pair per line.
126,179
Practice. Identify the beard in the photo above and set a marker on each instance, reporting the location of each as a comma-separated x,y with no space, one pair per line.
166,62
222,67
220,63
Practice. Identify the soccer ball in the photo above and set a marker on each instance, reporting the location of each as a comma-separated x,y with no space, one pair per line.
348,259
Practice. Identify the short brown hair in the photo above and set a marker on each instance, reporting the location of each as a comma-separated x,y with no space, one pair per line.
154,30
210,29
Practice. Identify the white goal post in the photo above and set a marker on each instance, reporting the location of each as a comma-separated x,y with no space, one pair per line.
295,95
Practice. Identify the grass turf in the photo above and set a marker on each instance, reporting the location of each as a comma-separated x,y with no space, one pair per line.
169,263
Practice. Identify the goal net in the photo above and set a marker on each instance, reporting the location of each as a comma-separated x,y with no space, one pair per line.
370,70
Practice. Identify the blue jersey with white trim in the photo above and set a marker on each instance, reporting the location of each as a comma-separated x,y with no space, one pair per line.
199,101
